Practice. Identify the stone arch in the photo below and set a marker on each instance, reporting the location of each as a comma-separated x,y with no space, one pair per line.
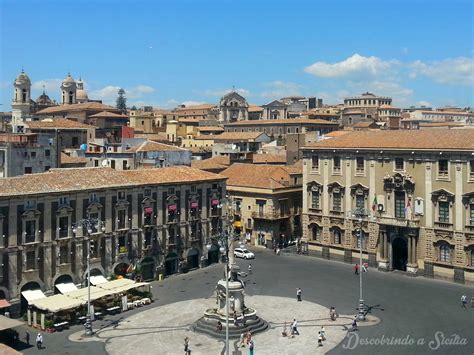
213,254
171,263
4,294
399,253
28,285
96,270
120,268
63,278
192,258
147,268
315,232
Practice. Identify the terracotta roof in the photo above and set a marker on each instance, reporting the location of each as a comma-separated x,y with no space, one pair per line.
389,107
403,139
440,124
336,133
157,137
234,136
190,120
269,158
106,114
150,146
62,123
214,163
74,179
255,108
86,106
363,124
449,113
288,121
211,129
196,107
257,176
67,159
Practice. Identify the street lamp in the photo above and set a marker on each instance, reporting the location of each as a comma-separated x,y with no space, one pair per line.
87,225
360,214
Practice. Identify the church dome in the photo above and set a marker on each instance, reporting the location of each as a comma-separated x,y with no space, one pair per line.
68,81
22,78
44,99
81,95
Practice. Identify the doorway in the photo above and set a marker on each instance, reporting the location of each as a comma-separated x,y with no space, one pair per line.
399,254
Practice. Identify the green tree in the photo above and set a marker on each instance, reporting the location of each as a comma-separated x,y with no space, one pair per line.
121,101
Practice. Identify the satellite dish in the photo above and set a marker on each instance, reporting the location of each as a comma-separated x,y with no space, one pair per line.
105,163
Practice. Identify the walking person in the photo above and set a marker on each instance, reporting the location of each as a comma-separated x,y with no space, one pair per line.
320,339
27,338
356,269
354,325
39,341
242,339
251,346
187,350
365,267
322,331
250,269
294,325
464,300
298,294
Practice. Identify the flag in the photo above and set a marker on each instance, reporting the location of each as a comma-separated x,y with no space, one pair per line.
374,204
408,208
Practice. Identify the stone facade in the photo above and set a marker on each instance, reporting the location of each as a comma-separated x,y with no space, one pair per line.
420,205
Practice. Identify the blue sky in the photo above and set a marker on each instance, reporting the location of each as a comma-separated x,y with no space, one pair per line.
168,52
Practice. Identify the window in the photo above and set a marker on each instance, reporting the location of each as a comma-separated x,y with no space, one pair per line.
31,260
336,201
112,164
399,204
336,164
28,170
171,190
75,141
471,169
63,227
443,167
47,167
316,233
471,257
444,253
238,206
33,154
249,223
360,201
121,195
315,199
96,162
360,165
30,231
63,254
315,163
94,248
443,211
471,217
147,192
399,164
337,236
124,165
122,244
121,219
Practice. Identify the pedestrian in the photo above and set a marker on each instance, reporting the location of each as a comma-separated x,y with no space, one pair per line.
320,339
27,337
365,267
219,326
354,325
295,327
187,350
464,300
284,333
332,313
251,347
242,339
322,331
298,294
278,251
356,269
39,341
235,318
250,269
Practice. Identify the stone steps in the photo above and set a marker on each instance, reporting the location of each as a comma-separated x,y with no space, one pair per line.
208,326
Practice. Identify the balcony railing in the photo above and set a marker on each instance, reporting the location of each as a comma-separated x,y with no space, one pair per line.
443,225
399,222
271,215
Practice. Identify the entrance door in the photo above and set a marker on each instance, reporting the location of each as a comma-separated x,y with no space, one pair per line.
171,264
213,255
147,267
193,259
399,254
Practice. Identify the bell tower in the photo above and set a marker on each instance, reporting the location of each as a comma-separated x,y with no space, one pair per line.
21,103
68,90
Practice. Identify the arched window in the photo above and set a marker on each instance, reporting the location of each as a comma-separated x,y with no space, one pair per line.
337,239
444,253
316,233
23,97
71,96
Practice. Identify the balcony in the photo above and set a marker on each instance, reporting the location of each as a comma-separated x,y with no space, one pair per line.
271,215
443,226
399,222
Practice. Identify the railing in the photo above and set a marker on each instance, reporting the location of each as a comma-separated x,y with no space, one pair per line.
443,225
399,222
271,215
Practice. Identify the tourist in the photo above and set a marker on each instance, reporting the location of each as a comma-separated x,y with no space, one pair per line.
248,337
235,318
464,300
250,269
365,267
27,337
284,333
294,325
187,350
278,251
39,341
298,294
251,346
219,326
356,269
320,339
323,332
354,325
332,313
242,339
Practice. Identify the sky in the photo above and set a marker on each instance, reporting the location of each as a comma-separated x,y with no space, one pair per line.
165,53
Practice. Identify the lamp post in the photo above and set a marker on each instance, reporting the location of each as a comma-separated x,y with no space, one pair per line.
87,225
360,214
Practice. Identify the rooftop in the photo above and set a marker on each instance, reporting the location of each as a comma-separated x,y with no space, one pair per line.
269,159
67,159
210,129
83,179
283,121
214,163
258,176
86,106
234,136
460,140
196,107
62,123
107,114
151,146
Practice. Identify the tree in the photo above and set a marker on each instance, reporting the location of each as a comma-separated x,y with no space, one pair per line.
133,108
121,101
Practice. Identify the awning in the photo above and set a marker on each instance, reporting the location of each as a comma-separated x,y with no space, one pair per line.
121,285
148,210
66,287
99,279
57,303
7,323
4,304
32,295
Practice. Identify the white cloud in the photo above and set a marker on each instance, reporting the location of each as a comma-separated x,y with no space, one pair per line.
5,84
192,103
110,92
424,103
278,89
458,71
355,65
49,85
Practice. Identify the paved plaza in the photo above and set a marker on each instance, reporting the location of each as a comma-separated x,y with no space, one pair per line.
411,308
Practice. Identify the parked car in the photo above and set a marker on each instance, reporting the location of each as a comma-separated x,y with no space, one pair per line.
243,253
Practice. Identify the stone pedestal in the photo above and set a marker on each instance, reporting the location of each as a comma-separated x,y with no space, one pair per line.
412,269
383,265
